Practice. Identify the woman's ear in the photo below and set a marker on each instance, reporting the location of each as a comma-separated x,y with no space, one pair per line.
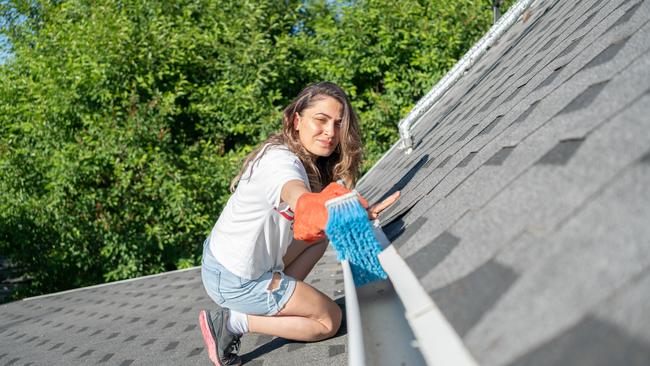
296,120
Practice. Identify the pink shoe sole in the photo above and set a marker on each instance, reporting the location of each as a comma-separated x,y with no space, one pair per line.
210,342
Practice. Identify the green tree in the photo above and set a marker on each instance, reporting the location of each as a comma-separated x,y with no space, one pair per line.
122,122
388,54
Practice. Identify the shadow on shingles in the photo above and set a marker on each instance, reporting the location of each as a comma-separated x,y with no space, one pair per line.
406,178
277,343
394,228
264,349
343,330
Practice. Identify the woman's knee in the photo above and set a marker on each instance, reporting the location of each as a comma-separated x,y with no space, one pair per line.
336,321
309,303
332,321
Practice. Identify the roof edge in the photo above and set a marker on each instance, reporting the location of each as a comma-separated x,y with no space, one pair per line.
108,284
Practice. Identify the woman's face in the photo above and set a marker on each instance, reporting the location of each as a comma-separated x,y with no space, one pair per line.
319,126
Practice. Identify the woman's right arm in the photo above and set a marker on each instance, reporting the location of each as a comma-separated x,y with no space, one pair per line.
291,191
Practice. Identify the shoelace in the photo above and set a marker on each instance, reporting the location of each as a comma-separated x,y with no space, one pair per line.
233,347
230,356
231,359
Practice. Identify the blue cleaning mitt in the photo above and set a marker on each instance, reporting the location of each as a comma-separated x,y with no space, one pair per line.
349,230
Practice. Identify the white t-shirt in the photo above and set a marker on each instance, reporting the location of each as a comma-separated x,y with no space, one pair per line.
254,230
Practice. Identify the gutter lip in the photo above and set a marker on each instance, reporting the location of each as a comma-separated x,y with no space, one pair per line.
356,345
356,349
356,300
438,341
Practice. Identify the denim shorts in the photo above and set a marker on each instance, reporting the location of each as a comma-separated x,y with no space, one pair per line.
243,295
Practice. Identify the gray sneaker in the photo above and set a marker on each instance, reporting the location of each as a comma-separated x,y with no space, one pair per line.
222,345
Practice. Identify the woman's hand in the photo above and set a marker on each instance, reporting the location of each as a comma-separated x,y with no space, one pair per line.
374,210
310,217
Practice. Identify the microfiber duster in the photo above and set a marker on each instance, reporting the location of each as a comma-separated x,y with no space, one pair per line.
350,232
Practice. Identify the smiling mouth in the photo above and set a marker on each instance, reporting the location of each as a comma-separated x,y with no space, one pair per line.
325,143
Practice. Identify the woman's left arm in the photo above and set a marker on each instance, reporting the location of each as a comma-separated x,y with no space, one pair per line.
374,210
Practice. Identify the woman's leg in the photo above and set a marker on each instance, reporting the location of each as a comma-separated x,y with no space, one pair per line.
301,258
309,315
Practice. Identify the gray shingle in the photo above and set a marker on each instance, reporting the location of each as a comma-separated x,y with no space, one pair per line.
573,271
500,156
427,257
105,327
585,99
562,211
629,307
466,300
561,153
600,344
554,249
607,54
487,129
549,79
466,160
628,14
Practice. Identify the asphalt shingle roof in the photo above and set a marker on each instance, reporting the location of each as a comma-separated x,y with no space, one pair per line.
526,202
148,321
524,215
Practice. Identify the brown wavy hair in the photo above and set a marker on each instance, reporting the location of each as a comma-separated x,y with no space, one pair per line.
342,164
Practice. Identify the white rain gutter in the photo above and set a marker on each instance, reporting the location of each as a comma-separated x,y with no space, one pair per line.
470,58
356,350
378,332
438,341
402,325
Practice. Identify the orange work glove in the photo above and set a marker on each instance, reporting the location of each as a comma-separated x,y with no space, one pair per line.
310,216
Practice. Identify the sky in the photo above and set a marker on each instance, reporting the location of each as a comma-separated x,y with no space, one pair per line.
4,42
3,51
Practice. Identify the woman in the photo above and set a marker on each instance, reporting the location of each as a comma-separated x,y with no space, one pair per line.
254,261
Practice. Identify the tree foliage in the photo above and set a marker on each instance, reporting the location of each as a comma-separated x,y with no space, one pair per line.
122,122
